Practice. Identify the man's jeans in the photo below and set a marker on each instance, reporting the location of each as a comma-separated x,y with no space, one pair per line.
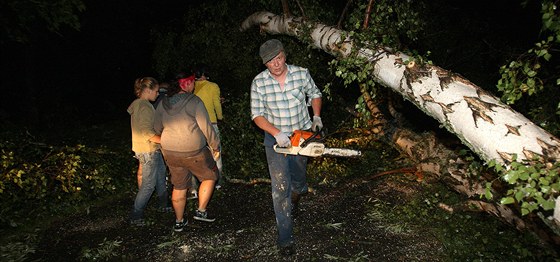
287,174
153,177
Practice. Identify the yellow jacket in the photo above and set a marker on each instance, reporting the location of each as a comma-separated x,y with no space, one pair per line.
209,93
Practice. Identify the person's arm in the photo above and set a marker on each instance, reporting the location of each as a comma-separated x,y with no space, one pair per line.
217,103
158,125
146,124
282,138
257,110
313,92
205,126
263,124
316,104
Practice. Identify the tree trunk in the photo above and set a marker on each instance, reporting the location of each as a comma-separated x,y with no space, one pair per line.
434,158
488,127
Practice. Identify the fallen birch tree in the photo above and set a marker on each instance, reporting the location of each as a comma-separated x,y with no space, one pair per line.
490,128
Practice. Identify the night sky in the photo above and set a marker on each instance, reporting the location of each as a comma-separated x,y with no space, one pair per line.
92,71
84,70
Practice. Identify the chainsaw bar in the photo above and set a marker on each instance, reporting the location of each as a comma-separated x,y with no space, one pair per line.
343,152
315,149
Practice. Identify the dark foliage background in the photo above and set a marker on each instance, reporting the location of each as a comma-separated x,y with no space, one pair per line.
63,81
64,94
60,87
86,76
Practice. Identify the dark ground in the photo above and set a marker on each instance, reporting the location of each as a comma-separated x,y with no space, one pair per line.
388,218
349,222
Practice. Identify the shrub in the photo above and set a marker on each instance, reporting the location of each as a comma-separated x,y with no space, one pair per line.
34,174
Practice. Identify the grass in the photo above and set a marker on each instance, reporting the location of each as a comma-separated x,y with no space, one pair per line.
466,236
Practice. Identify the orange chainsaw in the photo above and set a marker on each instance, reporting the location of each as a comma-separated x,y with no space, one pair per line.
307,143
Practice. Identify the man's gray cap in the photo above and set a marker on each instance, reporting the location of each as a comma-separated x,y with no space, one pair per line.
270,49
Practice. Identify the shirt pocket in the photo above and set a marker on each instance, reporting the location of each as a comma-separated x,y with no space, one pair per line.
296,96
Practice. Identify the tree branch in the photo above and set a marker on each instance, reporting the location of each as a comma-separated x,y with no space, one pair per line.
343,14
286,8
368,12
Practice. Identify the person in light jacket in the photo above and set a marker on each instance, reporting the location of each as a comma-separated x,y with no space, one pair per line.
189,145
145,145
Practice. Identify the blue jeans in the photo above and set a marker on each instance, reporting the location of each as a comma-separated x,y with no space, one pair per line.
153,178
287,174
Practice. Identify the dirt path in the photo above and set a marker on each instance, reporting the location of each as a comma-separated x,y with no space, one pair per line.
337,224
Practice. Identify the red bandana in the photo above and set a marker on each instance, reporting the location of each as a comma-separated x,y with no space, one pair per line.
183,82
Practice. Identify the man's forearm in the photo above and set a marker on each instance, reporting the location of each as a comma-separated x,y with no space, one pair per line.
316,104
263,124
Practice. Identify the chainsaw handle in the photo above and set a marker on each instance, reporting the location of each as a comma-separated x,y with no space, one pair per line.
313,138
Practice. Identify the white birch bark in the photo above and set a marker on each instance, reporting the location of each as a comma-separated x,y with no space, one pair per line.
487,126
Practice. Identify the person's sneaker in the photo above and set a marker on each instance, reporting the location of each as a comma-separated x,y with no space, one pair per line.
203,216
138,222
178,227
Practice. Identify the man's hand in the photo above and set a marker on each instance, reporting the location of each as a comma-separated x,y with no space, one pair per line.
317,123
282,139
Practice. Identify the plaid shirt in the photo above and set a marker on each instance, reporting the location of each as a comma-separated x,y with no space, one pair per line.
287,109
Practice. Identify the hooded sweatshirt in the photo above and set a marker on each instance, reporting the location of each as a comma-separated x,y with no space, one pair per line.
142,124
184,125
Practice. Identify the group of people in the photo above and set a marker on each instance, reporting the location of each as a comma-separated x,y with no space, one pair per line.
182,129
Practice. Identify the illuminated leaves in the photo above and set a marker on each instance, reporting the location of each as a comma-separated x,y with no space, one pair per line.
33,172
534,186
534,71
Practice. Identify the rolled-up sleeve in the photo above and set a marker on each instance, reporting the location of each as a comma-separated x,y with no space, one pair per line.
257,104
311,89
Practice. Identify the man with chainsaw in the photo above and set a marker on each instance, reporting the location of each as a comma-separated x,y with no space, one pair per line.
279,106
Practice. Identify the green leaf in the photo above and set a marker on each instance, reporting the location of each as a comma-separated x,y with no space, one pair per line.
548,205
544,181
519,195
513,176
507,201
488,194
